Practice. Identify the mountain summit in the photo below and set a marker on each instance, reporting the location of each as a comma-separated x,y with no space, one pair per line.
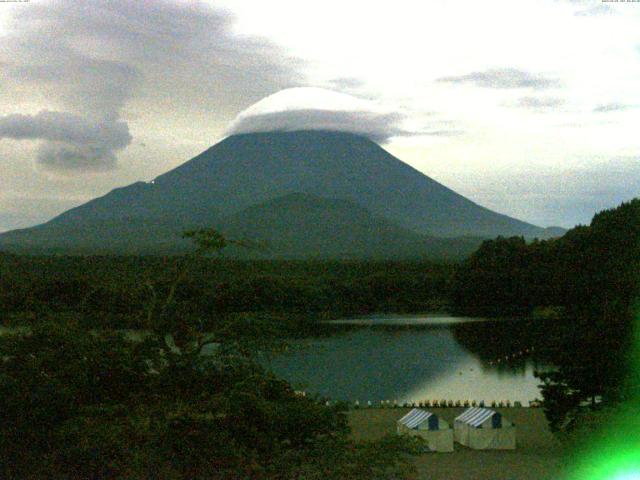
245,174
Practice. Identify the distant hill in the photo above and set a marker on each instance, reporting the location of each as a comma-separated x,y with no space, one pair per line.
552,232
306,226
231,185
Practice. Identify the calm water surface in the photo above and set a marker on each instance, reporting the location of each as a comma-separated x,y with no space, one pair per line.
408,358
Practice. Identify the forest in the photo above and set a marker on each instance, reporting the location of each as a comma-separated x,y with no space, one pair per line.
78,399
114,292
85,401
587,282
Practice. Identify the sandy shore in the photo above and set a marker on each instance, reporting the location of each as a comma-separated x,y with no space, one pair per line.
537,457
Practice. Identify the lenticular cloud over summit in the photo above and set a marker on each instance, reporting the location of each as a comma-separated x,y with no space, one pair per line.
317,109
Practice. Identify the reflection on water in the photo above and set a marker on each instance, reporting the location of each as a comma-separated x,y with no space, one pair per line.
420,358
391,320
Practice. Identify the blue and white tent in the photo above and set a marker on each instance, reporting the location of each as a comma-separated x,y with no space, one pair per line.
427,425
483,428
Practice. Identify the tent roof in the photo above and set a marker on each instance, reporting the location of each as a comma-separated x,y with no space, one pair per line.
475,416
415,417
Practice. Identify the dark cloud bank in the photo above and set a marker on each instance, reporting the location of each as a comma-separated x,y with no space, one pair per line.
92,57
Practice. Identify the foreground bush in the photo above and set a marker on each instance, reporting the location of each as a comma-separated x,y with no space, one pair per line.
76,404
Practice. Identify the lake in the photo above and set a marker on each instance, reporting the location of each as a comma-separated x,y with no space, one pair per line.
414,358
411,358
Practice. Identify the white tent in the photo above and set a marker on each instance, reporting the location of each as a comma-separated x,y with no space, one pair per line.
483,429
435,431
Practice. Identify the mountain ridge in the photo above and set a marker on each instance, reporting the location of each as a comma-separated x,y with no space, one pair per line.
249,169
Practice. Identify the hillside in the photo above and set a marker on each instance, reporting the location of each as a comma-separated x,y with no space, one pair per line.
306,226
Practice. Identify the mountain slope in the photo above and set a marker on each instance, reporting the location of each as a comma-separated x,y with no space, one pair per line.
306,226
246,170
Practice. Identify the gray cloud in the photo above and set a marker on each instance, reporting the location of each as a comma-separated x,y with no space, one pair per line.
601,9
539,103
65,157
378,127
94,87
346,83
90,59
611,107
504,78
441,133
64,127
587,8
69,141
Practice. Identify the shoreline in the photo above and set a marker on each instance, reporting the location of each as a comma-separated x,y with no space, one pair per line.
538,455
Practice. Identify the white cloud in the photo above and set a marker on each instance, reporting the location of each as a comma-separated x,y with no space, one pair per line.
318,109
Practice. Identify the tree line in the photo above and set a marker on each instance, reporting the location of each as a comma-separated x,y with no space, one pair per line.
587,282
94,404
113,292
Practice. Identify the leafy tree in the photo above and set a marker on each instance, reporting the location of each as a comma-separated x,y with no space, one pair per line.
498,279
595,352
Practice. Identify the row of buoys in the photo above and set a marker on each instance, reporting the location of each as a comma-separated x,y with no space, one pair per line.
431,403
506,358
441,404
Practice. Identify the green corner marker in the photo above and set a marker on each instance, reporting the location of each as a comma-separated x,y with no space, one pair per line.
614,452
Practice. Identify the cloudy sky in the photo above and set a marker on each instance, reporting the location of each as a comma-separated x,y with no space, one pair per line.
529,108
